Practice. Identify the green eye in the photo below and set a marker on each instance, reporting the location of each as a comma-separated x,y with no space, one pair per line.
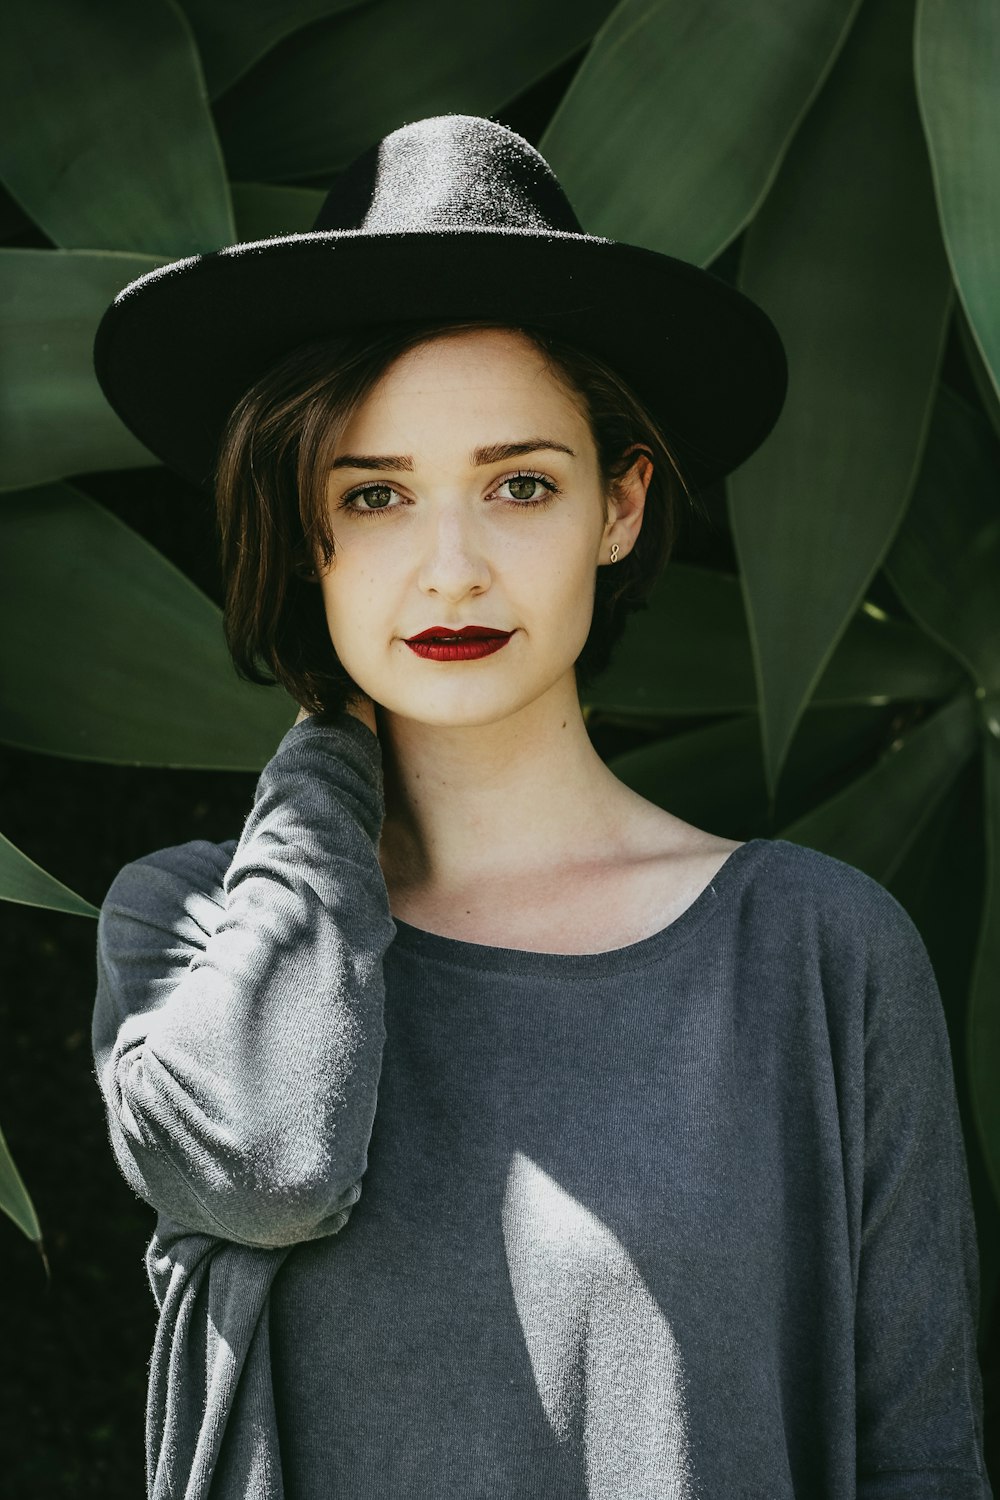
382,491
383,494
527,489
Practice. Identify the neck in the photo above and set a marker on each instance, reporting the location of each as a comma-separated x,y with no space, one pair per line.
473,802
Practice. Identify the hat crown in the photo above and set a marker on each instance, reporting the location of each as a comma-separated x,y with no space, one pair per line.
448,172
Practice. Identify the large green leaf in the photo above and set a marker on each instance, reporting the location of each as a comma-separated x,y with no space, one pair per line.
121,658
22,880
945,561
14,1199
232,35
326,94
689,652
54,418
672,130
106,138
958,87
872,823
846,256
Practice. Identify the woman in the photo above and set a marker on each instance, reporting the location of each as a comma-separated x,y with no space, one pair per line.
509,1136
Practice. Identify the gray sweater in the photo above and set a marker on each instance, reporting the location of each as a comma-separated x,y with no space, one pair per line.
689,1218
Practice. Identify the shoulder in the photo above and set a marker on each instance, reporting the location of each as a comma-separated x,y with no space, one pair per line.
810,879
842,904
861,944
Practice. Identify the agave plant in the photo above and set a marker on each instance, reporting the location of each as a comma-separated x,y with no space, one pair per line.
828,671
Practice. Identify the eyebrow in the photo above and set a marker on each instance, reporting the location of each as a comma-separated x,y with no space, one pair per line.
492,453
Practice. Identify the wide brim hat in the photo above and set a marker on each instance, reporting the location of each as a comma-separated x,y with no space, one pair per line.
459,217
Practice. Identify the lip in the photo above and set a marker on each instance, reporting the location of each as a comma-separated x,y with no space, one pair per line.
475,641
463,632
439,642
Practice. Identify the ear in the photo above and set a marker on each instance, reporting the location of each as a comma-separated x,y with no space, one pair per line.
626,504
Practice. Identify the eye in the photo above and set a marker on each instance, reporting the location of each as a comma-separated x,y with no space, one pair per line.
380,494
524,488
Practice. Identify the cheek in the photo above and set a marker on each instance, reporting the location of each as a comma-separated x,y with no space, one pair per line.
568,569
357,618
350,590
557,591
341,613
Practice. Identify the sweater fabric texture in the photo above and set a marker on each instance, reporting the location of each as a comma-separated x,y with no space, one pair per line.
688,1218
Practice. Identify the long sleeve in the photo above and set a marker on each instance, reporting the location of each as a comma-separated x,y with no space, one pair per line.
238,1025
919,1394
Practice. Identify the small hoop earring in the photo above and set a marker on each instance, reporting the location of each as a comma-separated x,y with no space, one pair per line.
614,552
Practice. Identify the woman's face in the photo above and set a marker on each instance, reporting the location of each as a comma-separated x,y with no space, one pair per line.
429,532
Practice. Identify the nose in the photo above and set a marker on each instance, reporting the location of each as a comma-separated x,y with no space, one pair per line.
453,563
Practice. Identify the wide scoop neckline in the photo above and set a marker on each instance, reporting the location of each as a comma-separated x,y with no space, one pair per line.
460,953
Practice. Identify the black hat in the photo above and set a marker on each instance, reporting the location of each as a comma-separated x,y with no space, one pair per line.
449,217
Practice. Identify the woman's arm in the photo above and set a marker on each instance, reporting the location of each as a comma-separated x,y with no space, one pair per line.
238,1024
919,1391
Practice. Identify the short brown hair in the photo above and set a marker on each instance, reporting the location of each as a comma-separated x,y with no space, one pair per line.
272,512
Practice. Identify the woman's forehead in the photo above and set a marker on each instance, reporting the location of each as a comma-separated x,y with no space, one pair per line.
476,358
475,399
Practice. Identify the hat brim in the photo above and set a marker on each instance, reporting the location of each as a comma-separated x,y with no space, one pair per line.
177,348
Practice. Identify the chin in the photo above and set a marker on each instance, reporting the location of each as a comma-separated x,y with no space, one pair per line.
452,705
453,715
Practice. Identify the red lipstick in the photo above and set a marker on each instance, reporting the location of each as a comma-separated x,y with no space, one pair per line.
458,643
